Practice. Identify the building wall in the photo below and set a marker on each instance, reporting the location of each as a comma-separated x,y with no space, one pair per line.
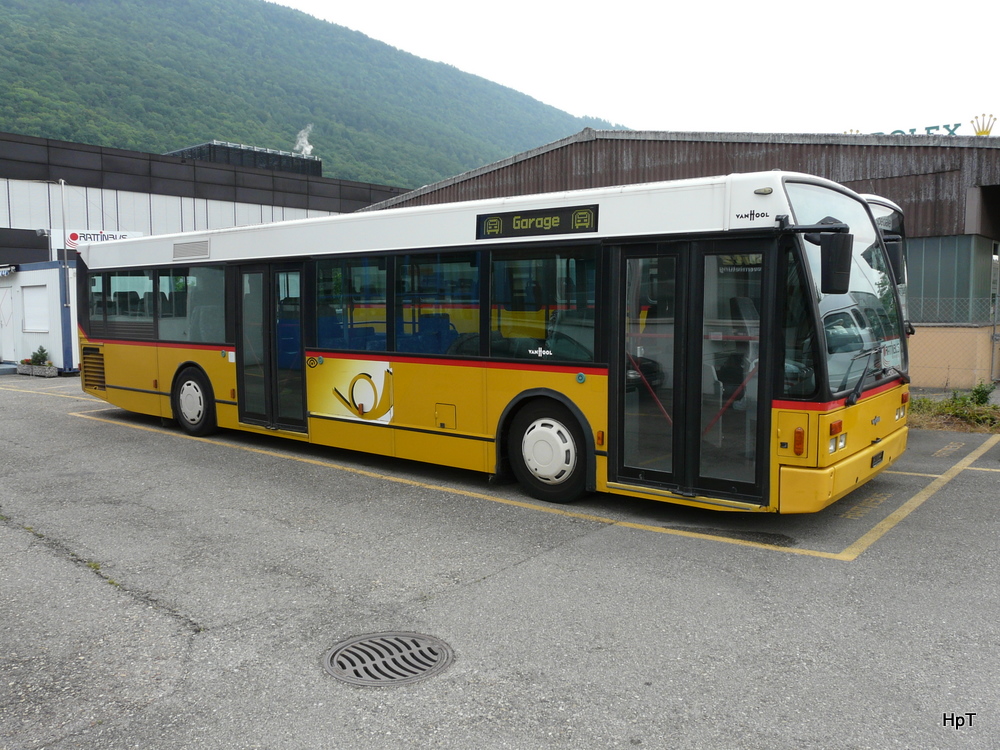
28,206
952,357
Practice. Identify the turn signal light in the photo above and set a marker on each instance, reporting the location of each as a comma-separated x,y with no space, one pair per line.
800,441
837,427
905,398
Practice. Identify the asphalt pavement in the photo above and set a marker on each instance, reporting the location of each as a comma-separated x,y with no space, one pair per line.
160,591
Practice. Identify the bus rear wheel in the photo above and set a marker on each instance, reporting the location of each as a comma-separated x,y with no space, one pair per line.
546,452
194,403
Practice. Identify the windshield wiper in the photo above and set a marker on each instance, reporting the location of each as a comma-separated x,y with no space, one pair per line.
855,393
892,368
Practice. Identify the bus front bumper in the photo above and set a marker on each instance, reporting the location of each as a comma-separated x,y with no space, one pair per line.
810,490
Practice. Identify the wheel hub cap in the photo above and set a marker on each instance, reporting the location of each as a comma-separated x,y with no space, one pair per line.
549,451
191,402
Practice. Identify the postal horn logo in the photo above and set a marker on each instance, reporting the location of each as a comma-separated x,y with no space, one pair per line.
380,404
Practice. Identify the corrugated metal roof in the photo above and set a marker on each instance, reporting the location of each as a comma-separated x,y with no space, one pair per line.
928,176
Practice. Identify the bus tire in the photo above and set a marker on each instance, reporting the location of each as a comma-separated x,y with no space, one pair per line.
193,402
546,452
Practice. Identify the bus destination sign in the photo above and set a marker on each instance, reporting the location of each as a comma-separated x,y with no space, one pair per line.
542,223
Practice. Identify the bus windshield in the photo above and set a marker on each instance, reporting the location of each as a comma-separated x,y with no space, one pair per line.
863,329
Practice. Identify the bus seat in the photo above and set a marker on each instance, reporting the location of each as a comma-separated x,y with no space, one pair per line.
436,332
126,303
329,331
358,336
405,343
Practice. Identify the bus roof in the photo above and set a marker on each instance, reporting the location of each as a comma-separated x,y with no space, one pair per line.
711,204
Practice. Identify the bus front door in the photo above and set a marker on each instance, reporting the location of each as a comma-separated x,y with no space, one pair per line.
270,353
689,401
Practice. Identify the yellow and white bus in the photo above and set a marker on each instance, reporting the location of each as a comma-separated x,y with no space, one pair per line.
732,343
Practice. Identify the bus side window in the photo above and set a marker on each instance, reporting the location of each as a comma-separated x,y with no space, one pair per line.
125,314
517,320
329,305
544,307
191,304
434,303
97,303
351,304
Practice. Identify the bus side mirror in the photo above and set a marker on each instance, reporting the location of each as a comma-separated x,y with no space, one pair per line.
836,255
894,248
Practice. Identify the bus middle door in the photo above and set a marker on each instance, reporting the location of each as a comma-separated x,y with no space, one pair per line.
270,354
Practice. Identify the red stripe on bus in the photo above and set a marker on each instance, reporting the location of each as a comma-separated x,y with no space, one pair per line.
831,405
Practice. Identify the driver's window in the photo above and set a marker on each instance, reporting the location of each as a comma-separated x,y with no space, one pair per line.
799,335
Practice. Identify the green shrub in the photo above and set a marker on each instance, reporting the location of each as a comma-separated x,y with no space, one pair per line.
40,356
980,395
963,411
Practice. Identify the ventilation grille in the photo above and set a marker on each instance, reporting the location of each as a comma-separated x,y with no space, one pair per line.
92,371
388,658
188,250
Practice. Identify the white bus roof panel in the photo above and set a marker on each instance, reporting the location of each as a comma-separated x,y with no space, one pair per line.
742,201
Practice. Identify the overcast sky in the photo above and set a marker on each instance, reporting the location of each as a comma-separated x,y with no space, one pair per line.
783,66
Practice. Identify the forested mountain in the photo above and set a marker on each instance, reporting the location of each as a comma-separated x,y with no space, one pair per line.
160,75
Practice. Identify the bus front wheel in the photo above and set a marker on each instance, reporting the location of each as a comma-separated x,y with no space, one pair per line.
194,402
546,452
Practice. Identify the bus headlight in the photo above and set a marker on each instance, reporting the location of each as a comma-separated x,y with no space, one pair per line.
838,443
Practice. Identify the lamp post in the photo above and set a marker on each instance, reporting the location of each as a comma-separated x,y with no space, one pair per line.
65,260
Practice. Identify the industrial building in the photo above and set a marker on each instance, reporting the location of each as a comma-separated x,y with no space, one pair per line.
947,186
55,194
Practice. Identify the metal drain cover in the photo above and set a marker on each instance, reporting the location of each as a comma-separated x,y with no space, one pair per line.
388,658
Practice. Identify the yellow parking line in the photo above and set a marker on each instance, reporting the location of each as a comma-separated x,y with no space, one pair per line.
849,554
48,392
883,527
